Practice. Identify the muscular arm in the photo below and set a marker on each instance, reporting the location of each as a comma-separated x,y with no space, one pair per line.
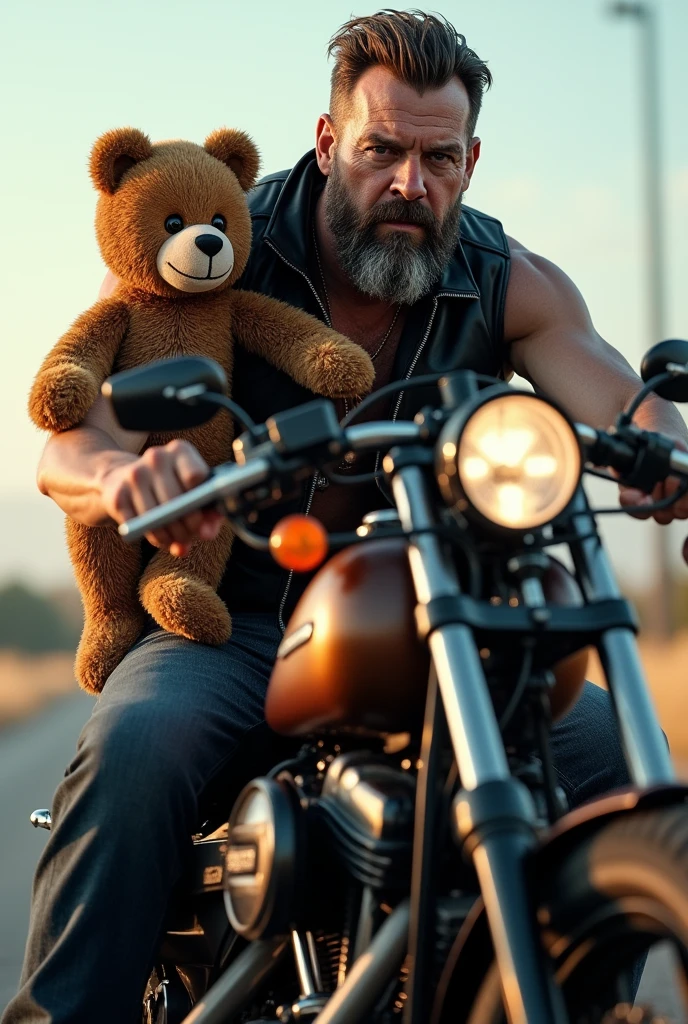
555,346
75,463
96,475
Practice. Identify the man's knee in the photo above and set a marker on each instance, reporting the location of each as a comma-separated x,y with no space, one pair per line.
131,756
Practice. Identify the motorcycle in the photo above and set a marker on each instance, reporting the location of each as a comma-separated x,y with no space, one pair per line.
412,856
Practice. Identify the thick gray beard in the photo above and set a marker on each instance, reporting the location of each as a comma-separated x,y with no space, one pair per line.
395,269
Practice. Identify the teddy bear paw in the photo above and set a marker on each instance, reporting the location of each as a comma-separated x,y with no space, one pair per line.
61,396
188,607
340,370
102,648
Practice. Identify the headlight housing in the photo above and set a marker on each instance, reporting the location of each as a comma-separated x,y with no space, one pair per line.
261,861
510,457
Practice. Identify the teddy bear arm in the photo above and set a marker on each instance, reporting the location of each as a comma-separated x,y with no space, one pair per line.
312,354
69,380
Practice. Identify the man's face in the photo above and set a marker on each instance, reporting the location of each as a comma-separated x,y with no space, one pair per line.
397,164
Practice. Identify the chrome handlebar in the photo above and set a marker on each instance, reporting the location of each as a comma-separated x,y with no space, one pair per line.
230,481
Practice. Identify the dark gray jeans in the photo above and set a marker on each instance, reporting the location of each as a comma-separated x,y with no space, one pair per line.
169,721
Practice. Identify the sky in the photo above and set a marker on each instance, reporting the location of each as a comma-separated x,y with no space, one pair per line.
560,166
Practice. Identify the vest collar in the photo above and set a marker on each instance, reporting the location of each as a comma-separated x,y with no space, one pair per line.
288,230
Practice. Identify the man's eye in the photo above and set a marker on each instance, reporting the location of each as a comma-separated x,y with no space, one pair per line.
440,158
379,150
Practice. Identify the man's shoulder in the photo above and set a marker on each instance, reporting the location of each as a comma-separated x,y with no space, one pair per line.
264,194
483,231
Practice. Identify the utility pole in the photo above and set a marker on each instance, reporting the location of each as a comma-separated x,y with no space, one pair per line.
660,618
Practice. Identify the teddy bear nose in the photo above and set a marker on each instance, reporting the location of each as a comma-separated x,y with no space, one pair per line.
208,244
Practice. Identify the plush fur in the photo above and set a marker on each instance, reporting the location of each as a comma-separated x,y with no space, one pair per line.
174,298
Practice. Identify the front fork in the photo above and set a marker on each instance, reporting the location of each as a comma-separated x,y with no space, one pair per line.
495,813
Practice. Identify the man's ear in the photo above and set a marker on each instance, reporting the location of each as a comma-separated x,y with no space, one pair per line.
324,143
472,157
238,151
114,153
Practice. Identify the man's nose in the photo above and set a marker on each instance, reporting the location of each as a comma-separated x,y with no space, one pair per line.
408,181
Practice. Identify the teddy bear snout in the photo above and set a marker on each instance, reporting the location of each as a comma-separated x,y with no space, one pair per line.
209,244
198,258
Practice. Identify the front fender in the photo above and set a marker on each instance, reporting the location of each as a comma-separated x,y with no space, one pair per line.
471,954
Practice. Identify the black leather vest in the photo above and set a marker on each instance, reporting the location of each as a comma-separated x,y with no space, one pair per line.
461,325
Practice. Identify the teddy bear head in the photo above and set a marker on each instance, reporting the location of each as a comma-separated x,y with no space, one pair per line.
172,217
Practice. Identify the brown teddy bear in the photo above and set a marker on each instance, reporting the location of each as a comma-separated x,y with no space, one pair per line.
173,224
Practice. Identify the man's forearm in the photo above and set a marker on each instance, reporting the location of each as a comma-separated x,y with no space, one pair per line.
72,468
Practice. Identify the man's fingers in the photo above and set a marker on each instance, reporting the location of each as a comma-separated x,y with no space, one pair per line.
166,486
143,499
211,525
161,474
629,498
191,469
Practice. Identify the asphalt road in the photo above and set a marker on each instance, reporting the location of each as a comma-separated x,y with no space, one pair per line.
33,756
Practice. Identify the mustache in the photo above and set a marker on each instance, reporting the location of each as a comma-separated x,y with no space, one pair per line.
402,211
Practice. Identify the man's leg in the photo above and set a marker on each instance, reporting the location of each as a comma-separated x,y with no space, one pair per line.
589,760
586,748
167,722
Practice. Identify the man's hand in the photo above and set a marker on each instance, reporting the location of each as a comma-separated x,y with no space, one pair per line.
96,474
138,484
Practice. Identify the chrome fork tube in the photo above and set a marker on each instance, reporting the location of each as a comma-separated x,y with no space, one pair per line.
472,724
495,813
646,750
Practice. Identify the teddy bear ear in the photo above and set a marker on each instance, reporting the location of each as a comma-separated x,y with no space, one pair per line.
114,153
238,151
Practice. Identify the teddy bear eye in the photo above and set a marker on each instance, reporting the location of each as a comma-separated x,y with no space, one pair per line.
219,222
174,223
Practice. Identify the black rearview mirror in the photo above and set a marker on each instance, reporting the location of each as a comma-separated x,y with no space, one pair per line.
164,395
662,357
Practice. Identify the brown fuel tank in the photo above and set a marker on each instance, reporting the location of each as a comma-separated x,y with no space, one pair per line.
350,658
350,655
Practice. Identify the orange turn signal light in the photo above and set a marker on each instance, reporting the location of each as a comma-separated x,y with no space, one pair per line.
299,542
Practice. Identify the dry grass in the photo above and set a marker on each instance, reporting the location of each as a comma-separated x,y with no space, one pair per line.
27,682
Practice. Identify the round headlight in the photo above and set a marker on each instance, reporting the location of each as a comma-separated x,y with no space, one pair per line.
515,459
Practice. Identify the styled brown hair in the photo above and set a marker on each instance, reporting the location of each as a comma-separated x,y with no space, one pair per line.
423,50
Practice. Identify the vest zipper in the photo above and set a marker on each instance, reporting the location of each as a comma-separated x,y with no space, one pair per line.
306,278
419,350
314,481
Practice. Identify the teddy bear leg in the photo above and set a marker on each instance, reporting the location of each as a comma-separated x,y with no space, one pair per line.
180,593
107,572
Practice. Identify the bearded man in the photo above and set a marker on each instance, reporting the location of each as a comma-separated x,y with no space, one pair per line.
369,233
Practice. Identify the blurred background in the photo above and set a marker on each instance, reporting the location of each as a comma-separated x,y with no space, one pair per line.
565,144
566,138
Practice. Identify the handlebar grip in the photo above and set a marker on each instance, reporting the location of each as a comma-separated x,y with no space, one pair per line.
225,482
604,449
679,461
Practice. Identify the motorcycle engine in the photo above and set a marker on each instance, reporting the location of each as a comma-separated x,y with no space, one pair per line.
367,807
